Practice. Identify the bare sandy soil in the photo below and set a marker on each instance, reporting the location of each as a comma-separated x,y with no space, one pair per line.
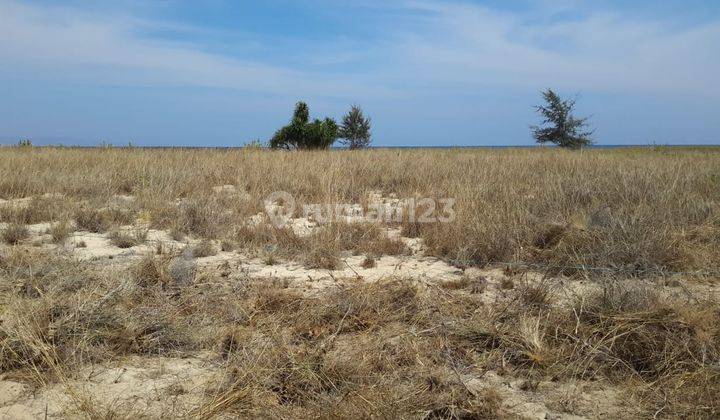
163,386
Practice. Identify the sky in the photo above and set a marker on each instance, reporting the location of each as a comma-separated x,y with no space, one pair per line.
428,72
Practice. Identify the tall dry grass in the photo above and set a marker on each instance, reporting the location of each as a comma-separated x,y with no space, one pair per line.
392,348
635,210
388,349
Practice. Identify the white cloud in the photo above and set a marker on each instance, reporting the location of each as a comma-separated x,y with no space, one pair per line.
468,45
105,49
440,45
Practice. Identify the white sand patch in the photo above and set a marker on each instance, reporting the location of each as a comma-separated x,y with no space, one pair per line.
10,392
582,398
377,209
423,270
141,386
386,267
173,387
25,201
38,229
97,245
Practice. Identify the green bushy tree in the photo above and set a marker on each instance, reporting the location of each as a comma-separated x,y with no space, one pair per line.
560,126
355,129
303,134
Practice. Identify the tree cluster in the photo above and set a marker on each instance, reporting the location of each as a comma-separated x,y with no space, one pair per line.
559,126
302,134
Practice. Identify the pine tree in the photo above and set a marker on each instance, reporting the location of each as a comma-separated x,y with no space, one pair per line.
564,129
355,129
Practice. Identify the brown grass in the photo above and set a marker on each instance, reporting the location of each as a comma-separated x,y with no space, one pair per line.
13,233
204,249
471,284
60,231
383,349
92,220
638,210
123,239
393,348
37,210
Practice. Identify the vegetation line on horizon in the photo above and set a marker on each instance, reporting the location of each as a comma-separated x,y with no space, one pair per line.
559,127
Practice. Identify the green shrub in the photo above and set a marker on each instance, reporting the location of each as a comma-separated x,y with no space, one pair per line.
302,134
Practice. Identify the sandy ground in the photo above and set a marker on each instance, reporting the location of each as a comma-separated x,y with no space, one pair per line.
149,385
171,387
146,386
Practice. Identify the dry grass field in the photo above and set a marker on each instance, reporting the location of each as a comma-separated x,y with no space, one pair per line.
140,283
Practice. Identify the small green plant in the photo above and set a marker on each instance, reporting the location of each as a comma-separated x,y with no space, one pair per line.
25,143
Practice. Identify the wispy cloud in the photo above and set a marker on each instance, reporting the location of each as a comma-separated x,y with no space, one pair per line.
102,49
443,45
428,71
466,45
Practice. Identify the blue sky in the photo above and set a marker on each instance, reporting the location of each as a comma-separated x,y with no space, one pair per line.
428,72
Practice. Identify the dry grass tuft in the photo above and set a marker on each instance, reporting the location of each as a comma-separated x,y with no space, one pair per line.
471,284
646,336
388,348
60,231
92,220
14,233
340,354
282,241
507,283
369,262
227,245
209,216
323,257
622,208
124,240
392,348
39,209
204,249
535,294
152,271
176,235
364,238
